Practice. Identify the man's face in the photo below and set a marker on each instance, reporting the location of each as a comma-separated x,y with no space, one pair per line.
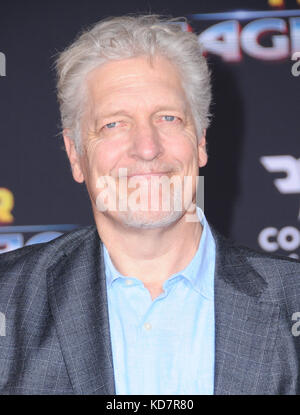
137,118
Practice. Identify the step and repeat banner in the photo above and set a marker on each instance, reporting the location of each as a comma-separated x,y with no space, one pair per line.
252,180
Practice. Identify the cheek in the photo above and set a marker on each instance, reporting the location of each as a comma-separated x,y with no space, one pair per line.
184,143
185,152
102,157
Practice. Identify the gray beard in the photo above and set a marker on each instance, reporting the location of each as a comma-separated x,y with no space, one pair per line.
141,219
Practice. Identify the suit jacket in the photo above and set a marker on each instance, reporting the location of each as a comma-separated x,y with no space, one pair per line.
57,337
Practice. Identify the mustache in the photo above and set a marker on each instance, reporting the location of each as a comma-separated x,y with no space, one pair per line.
131,171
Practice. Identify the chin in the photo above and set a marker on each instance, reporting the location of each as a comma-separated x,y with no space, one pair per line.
149,220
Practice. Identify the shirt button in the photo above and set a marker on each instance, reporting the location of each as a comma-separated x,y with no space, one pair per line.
128,282
147,326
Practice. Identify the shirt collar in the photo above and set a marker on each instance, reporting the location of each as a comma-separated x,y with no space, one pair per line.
200,270
111,271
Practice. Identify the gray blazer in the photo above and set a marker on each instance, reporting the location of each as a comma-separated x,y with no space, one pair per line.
57,336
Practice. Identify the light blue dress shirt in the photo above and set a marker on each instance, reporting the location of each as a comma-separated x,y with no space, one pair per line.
165,346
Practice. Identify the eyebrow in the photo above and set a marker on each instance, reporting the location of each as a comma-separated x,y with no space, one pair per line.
111,114
102,116
159,108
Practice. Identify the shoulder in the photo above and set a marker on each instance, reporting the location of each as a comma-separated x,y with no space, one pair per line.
277,276
270,266
282,275
32,261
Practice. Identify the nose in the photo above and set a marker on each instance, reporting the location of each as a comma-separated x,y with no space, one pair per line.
145,142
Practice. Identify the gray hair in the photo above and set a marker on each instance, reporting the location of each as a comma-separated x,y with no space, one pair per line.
125,37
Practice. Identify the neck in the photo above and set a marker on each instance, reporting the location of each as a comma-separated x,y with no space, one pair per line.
151,255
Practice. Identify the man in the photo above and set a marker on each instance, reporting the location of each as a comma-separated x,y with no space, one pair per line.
151,300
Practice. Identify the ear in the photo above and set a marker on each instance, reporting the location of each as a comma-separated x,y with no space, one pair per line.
73,157
202,154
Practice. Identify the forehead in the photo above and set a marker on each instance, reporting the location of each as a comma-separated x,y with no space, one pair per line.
158,78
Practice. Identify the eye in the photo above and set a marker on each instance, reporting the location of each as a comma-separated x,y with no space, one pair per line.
169,118
111,124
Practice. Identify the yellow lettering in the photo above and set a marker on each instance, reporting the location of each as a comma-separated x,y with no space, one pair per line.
6,205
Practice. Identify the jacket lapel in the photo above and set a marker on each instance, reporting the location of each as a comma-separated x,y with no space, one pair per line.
77,296
246,322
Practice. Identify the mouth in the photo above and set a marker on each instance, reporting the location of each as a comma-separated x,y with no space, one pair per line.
147,175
